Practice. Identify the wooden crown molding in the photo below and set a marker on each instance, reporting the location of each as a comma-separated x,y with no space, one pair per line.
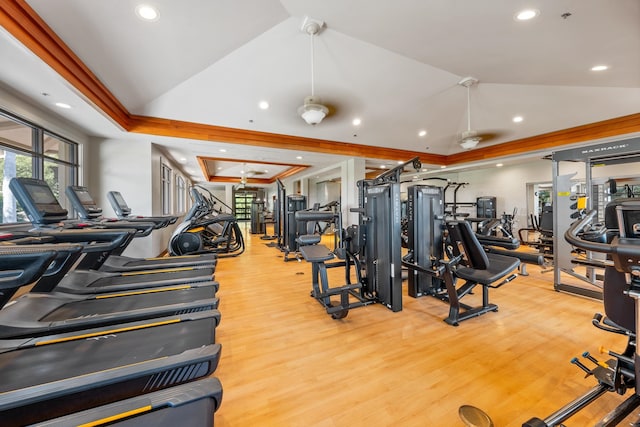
291,170
19,19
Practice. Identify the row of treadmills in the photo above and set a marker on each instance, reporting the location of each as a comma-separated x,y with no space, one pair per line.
97,338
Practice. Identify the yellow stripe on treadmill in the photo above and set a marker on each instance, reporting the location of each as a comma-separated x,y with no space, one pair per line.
160,270
165,258
111,331
147,291
195,230
117,417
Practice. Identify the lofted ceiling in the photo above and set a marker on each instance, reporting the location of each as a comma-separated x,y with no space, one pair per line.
191,81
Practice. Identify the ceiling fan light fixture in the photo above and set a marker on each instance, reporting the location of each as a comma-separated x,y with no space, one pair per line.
469,143
312,111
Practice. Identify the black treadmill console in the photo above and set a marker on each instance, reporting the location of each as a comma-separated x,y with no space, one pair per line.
83,203
118,204
38,201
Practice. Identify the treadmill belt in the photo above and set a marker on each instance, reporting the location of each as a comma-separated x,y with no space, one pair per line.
49,363
104,306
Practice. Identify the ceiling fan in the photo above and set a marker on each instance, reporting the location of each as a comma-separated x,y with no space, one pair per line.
470,138
312,110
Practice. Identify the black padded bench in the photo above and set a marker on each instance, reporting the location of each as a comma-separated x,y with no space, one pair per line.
470,262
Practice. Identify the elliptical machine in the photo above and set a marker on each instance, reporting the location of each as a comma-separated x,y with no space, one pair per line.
206,230
618,374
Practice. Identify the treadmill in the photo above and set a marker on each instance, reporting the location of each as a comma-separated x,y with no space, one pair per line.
87,210
46,378
43,210
37,314
123,211
187,405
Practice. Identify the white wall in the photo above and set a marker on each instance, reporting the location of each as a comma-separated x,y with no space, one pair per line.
507,184
134,169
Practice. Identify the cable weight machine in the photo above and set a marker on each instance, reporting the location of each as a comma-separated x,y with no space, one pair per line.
377,237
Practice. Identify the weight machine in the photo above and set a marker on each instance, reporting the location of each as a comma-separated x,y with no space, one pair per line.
373,247
622,281
433,275
566,209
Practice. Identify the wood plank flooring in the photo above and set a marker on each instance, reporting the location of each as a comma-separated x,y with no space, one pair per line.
285,362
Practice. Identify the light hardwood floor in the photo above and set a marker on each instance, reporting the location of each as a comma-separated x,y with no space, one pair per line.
285,362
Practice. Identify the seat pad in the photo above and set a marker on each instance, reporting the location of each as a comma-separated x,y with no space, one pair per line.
499,266
316,253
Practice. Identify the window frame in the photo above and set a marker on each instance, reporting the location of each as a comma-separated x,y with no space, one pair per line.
165,182
39,158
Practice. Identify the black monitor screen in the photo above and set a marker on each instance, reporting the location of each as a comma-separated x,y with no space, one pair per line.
84,197
41,194
120,200
631,219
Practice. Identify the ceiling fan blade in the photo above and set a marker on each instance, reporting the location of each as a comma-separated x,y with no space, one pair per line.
490,135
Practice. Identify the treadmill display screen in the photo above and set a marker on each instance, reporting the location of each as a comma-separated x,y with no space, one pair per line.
41,195
120,200
85,197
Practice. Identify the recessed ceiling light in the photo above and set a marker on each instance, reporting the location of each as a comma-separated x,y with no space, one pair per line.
356,122
422,133
517,119
266,171
400,162
599,68
146,12
525,15
442,167
299,157
63,105
424,170
263,105
499,165
383,166
182,160
222,150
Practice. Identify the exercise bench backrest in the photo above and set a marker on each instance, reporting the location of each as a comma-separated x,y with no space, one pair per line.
311,217
546,219
464,241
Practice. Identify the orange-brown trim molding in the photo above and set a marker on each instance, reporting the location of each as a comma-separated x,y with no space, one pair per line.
603,129
19,19
291,170
181,129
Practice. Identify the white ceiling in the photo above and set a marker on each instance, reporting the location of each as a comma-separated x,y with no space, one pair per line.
394,64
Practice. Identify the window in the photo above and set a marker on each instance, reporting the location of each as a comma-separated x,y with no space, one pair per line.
27,150
166,190
181,194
